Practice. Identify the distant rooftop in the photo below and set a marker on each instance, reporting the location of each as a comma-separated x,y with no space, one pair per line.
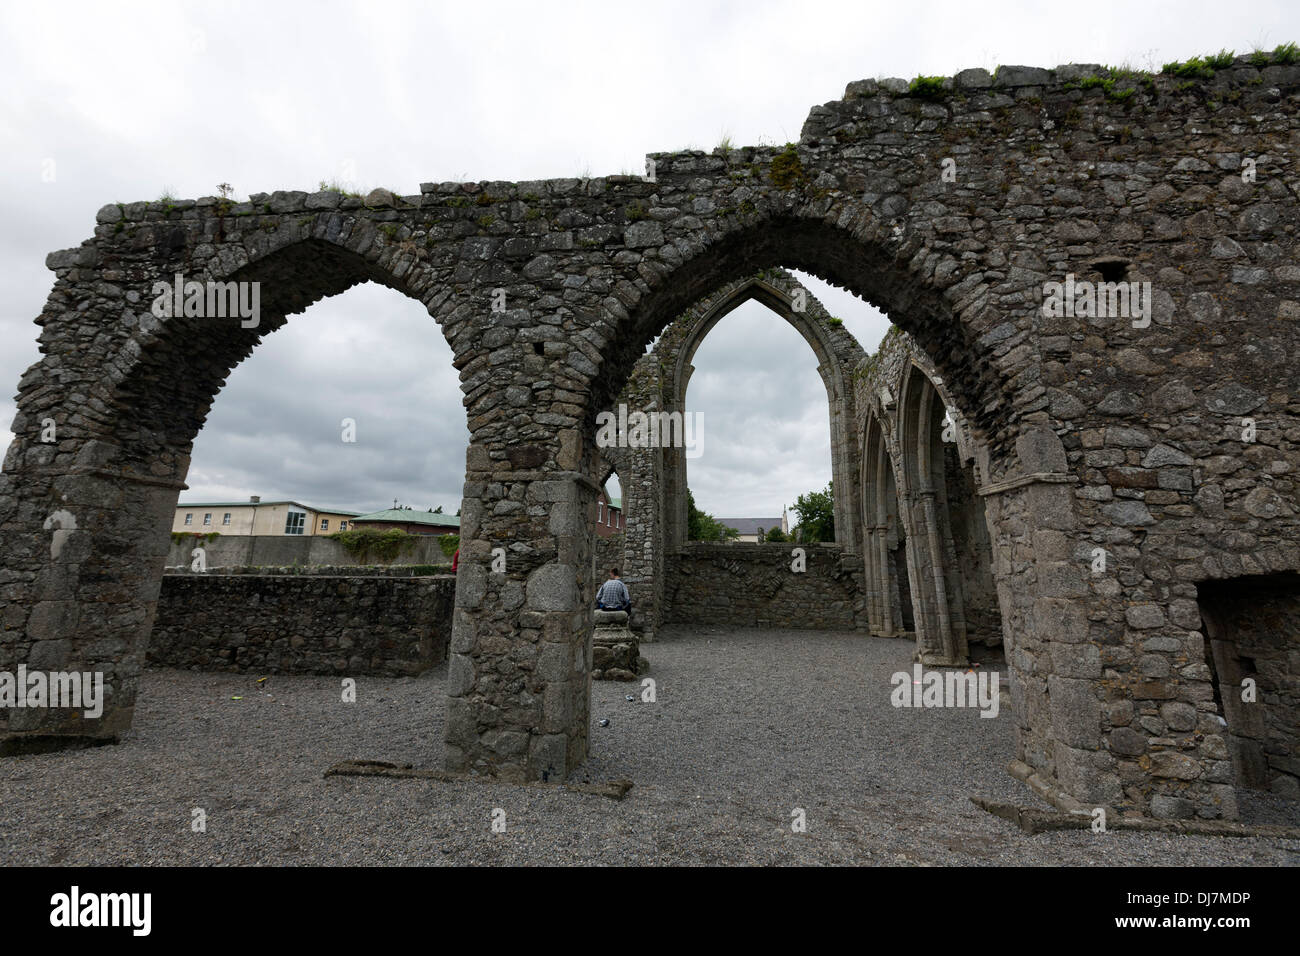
412,517
262,504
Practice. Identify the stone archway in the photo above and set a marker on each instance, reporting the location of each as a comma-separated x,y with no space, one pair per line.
887,574
838,354
659,383
925,427
1113,430
931,466
128,427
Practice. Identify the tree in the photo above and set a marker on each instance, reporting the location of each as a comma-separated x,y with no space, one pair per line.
705,527
438,510
776,535
816,511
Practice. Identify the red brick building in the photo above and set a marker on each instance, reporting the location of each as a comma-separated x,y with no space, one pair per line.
609,516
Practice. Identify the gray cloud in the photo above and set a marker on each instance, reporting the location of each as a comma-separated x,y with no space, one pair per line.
128,102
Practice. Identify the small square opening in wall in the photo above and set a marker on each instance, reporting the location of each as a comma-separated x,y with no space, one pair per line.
1112,268
537,347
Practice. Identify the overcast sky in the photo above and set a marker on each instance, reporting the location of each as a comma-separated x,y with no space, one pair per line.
106,102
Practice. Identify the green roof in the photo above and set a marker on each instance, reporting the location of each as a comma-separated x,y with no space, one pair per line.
616,503
413,517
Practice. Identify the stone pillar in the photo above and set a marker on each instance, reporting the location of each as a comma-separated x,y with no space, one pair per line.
643,536
871,579
844,503
83,555
519,675
880,553
950,639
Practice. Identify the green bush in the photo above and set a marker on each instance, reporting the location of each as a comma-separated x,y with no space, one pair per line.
179,536
363,543
449,543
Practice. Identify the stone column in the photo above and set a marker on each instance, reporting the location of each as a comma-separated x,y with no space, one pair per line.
519,675
844,500
881,552
83,556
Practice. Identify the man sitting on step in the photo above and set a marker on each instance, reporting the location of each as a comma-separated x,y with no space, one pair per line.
613,595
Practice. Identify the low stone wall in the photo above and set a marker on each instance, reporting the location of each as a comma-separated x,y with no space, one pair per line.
753,585
362,625
286,550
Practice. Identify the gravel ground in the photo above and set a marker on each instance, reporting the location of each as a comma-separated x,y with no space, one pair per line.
748,726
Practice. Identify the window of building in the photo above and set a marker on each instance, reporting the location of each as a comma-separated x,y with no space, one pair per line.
295,522
600,511
225,519
189,519
343,526
324,524
207,519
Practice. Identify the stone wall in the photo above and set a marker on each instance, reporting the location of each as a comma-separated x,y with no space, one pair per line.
379,625
286,550
752,585
609,553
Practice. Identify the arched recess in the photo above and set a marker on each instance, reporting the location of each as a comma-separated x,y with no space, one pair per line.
936,596
953,594
96,598
888,581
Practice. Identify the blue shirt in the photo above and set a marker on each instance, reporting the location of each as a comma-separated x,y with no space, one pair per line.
613,593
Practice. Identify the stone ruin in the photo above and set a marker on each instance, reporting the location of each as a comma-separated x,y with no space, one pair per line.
615,650
1136,474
